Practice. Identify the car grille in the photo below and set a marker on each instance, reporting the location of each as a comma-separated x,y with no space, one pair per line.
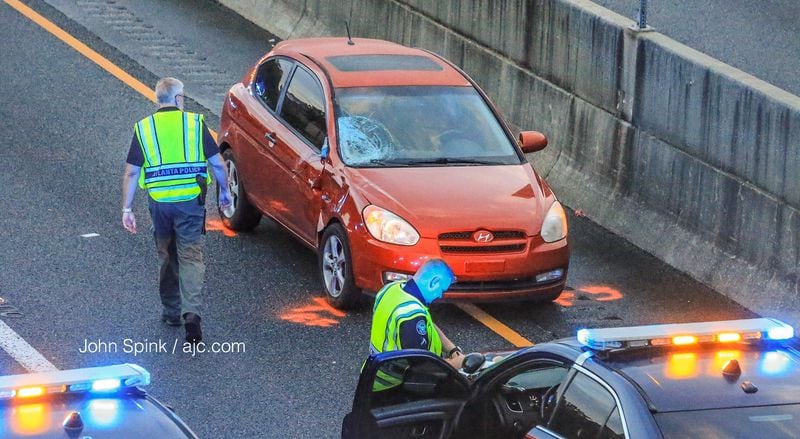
513,248
507,285
505,241
467,236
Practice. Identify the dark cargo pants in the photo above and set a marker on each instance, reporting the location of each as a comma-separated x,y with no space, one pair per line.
178,233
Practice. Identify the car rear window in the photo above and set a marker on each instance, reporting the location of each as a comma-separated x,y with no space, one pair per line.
776,422
366,63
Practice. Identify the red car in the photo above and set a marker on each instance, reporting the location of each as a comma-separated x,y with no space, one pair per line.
379,157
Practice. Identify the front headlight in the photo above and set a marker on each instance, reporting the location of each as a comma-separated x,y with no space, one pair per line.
554,226
388,227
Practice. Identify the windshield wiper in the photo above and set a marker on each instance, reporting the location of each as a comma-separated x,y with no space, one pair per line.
451,161
389,162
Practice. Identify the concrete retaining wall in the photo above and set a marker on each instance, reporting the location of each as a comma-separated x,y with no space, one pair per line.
688,158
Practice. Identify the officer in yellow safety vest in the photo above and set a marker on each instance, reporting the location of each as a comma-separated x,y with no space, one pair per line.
401,319
167,157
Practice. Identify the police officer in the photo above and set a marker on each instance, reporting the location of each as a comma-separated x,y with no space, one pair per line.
167,157
401,319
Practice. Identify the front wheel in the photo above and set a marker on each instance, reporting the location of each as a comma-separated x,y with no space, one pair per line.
336,269
241,216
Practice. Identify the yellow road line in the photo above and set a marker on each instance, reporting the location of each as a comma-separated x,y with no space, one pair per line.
83,49
480,315
495,325
86,51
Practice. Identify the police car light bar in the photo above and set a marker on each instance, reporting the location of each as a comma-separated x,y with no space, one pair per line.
105,379
682,334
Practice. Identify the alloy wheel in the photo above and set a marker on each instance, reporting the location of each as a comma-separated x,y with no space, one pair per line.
333,266
233,186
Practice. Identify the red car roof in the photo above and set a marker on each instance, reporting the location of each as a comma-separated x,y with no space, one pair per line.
326,51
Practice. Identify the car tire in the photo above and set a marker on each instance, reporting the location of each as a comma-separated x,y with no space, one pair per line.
336,268
241,216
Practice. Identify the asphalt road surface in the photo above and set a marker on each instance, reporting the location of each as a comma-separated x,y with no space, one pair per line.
292,363
758,37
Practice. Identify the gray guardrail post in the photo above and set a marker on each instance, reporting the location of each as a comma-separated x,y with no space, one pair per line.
642,14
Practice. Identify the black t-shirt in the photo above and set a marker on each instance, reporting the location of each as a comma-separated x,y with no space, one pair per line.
136,156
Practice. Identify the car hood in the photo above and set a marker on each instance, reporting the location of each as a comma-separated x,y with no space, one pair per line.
457,198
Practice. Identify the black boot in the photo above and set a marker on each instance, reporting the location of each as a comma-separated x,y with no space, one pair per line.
192,325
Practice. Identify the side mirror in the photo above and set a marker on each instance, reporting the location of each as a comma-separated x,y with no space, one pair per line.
473,362
532,141
325,151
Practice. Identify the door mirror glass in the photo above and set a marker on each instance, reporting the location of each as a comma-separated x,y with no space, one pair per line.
325,151
532,141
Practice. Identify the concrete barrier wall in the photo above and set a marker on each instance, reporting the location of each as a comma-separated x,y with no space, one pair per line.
688,158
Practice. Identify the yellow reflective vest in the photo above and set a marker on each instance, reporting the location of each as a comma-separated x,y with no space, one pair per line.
172,145
393,306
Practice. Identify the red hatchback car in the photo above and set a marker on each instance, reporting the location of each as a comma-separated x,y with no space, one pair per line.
379,157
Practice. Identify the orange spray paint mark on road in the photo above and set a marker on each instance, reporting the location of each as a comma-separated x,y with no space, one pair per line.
600,293
215,225
566,299
321,314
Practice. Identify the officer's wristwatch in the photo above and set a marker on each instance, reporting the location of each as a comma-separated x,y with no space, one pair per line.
453,351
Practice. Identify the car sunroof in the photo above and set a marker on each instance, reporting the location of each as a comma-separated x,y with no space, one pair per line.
366,63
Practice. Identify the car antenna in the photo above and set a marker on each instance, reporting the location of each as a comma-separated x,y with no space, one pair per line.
349,40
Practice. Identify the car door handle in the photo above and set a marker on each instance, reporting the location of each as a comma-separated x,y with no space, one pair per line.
271,137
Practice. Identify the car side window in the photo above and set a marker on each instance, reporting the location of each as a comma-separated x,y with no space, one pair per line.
586,410
271,80
525,395
304,107
613,428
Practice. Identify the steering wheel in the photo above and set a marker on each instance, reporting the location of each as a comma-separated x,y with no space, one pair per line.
456,141
544,405
508,419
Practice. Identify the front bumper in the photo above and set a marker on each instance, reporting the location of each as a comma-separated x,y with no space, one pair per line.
490,276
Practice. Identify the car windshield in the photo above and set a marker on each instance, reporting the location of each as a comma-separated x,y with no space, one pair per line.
419,126
778,421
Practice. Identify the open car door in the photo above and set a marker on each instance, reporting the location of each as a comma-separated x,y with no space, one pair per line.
407,393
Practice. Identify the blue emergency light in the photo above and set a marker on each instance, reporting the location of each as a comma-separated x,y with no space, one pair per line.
683,334
106,379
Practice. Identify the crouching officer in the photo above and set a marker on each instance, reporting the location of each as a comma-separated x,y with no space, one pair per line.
168,153
401,319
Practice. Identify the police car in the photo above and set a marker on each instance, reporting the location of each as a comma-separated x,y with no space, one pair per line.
737,378
97,402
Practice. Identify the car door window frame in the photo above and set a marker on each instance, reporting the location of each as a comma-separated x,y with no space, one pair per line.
289,74
364,395
541,358
281,100
582,370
